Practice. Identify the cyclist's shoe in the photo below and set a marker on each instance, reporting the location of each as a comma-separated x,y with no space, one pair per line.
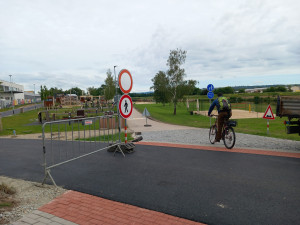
216,141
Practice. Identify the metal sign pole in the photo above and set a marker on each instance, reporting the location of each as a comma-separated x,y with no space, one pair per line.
267,126
210,95
125,131
210,116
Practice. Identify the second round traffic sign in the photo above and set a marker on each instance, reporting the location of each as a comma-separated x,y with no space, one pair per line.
125,106
125,81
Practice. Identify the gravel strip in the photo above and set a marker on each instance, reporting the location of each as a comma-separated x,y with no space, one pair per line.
29,196
200,137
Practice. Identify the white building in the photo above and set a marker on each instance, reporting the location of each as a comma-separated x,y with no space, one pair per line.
31,97
255,90
11,93
295,88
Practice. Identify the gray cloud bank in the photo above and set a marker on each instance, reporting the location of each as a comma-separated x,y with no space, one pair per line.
72,43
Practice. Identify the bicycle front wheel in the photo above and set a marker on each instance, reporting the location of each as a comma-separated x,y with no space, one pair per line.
212,133
229,137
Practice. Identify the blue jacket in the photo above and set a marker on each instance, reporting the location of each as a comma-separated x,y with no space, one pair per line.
212,106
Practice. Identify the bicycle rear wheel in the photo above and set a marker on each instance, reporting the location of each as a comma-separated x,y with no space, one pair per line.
212,133
229,137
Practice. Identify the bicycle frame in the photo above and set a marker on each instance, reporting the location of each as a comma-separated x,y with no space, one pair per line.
225,125
227,133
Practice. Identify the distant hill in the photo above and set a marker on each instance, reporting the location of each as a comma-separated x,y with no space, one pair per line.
142,94
262,86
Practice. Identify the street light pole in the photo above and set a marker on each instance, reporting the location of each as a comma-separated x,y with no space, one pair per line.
12,97
116,84
117,105
34,97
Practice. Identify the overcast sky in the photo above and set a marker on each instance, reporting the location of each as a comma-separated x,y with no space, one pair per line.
69,43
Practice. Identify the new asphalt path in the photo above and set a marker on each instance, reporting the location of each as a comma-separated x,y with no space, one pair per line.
18,110
207,185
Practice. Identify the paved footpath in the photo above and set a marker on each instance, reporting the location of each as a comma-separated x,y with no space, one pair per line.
78,208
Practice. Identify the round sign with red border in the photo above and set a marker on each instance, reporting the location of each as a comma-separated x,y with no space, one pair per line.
125,106
125,81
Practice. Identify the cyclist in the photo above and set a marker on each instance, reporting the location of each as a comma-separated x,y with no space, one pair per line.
224,112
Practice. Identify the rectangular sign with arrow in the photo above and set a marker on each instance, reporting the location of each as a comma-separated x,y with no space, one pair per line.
146,112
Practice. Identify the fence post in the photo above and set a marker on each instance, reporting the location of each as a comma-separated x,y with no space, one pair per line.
58,150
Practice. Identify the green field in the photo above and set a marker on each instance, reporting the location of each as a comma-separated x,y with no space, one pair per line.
19,123
257,126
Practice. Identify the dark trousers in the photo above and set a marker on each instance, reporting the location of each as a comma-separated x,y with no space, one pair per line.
222,116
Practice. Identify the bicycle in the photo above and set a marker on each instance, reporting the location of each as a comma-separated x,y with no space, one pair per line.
228,134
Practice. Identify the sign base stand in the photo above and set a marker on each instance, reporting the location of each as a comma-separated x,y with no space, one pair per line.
147,125
127,148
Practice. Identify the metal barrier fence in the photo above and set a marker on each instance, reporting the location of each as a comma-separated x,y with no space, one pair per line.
67,140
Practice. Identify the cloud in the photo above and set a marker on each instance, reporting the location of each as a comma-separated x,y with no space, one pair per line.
72,43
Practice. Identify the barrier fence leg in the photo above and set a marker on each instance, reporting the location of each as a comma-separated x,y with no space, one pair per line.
47,171
119,149
48,174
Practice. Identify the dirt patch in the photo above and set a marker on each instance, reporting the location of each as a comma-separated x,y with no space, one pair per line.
236,114
28,196
144,103
7,200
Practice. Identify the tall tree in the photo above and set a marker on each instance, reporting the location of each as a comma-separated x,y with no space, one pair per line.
54,91
160,83
110,89
75,90
175,74
44,92
96,91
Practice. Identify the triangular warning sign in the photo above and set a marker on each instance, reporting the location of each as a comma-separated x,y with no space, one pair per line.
269,114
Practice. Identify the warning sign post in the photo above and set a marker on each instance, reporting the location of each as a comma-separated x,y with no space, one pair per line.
125,102
269,116
146,114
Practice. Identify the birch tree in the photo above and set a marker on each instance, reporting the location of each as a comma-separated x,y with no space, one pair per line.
177,86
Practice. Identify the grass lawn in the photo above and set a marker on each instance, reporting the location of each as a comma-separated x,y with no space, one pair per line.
257,126
19,123
26,123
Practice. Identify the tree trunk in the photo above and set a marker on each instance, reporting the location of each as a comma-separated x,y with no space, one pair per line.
174,109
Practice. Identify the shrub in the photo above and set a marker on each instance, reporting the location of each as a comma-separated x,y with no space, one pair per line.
4,188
